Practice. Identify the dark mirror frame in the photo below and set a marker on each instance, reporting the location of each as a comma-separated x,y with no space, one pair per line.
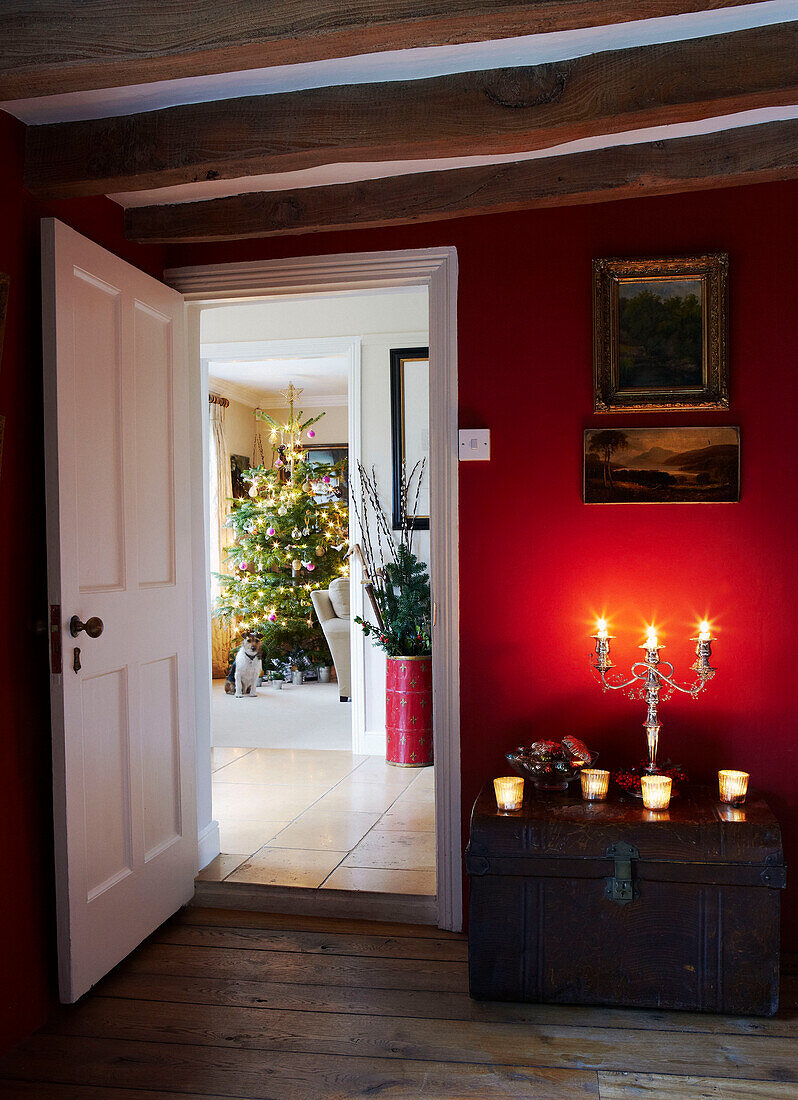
398,358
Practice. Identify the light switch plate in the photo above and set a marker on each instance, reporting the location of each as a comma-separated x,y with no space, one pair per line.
474,444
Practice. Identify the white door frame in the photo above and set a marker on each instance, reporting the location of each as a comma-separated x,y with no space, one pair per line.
435,268
347,347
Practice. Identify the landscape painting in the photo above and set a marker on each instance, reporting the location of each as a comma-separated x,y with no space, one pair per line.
660,334
661,465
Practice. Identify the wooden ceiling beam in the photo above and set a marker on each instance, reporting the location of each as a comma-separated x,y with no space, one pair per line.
466,114
51,47
752,154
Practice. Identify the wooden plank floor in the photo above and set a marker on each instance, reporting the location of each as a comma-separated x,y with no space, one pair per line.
255,1005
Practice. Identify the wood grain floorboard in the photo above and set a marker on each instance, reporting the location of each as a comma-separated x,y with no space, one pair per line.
243,918
315,943
645,1086
289,966
421,1004
255,1006
263,1075
388,1037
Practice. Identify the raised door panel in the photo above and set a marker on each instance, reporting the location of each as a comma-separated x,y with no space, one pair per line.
154,420
106,781
97,416
160,755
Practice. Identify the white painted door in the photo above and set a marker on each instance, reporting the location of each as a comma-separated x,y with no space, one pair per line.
116,395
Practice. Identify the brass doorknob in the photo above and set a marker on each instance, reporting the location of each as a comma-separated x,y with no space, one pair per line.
93,626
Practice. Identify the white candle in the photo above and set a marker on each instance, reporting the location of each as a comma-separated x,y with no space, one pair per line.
509,790
601,630
703,631
733,786
652,642
656,791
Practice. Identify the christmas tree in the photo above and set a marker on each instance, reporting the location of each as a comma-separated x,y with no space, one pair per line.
290,537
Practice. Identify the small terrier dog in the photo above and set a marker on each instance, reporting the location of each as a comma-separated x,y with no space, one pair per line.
242,679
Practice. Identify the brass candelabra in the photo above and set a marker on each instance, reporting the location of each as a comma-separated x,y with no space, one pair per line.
649,682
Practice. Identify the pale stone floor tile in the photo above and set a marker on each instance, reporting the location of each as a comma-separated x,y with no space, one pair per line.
286,767
418,796
287,867
380,880
221,757
406,851
220,867
324,830
409,817
361,797
242,801
247,836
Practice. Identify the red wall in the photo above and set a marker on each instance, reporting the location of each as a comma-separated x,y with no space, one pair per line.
26,914
537,564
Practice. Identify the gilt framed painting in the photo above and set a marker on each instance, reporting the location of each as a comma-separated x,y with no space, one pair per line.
661,465
660,333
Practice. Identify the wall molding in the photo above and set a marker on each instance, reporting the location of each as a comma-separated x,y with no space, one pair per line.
435,268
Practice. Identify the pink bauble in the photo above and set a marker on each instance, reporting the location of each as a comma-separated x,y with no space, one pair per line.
270,531
272,618
311,434
326,479
310,567
242,565
279,462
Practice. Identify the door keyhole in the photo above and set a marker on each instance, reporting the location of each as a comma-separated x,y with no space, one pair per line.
76,659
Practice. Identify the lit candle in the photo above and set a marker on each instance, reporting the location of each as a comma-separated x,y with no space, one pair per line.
652,642
595,784
601,630
509,792
656,791
733,787
704,631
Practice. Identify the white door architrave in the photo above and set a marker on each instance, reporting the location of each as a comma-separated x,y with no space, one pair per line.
435,268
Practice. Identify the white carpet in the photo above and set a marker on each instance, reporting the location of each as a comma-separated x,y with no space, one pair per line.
306,717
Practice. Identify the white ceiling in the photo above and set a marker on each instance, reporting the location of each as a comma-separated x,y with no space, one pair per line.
258,382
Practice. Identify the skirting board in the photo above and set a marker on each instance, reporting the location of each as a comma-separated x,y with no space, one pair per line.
297,900
209,844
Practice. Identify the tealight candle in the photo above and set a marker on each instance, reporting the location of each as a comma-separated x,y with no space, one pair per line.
509,792
656,791
733,787
595,784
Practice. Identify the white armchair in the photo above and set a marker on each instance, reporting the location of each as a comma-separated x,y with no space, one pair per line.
332,611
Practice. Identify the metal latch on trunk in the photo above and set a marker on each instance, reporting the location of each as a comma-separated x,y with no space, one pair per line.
622,886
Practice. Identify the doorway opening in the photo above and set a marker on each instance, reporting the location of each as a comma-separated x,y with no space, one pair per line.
298,392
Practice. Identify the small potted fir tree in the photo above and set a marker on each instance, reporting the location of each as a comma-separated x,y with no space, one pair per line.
397,585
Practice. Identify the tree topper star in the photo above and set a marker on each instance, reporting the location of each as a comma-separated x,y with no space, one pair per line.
292,394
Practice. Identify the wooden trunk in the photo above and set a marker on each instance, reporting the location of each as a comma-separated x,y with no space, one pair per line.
408,711
607,903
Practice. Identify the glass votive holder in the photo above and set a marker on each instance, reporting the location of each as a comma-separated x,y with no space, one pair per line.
733,787
509,792
656,791
595,784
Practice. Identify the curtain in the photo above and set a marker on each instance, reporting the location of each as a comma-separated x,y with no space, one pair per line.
221,487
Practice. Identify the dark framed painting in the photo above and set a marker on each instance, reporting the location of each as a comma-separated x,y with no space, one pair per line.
330,454
660,333
661,466
409,428
239,465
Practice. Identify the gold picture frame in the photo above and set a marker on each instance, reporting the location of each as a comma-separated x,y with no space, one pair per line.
660,333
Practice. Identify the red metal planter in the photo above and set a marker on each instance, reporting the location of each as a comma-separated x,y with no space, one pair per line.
408,711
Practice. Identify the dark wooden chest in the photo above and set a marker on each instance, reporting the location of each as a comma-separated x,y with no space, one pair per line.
606,903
